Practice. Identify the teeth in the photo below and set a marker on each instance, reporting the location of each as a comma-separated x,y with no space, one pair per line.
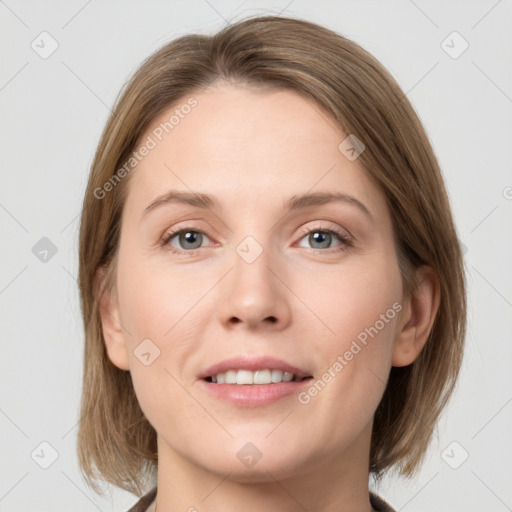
262,377
277,376
287,377
230,377
241,377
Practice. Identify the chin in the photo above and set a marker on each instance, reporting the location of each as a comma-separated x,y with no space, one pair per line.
257,462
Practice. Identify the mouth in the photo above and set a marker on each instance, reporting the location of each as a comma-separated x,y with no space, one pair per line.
253,382
245,370
241,377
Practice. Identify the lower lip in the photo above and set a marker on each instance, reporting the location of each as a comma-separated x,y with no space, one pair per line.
256,395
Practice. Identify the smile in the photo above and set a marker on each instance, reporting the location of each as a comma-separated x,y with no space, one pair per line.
247,377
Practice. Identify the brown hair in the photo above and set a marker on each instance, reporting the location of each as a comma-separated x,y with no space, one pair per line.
116,443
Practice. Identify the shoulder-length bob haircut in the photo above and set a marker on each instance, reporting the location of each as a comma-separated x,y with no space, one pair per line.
116,443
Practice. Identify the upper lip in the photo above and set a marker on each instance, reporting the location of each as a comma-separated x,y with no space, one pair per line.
253,364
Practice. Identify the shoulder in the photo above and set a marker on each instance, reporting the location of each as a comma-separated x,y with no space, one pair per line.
379,504
144,502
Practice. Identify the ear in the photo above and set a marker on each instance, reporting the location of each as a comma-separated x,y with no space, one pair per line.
113,333
417,318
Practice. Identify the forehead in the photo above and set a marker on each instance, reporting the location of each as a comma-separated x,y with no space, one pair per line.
247,145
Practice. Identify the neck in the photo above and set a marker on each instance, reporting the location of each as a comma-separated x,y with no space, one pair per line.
330,484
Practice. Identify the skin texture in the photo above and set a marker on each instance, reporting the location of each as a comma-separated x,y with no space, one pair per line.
253,148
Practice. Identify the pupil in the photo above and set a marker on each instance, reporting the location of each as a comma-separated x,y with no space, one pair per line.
320,237
190,237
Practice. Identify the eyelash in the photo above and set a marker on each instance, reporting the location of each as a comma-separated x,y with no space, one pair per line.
344,239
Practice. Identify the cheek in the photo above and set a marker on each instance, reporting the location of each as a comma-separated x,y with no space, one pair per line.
158,312
361,311
154,299
355,358
163,315
353,299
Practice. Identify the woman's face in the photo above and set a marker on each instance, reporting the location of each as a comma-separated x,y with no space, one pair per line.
258,276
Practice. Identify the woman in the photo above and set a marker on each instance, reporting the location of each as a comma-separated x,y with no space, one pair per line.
313,330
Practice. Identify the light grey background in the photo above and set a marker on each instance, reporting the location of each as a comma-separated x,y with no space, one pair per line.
52,113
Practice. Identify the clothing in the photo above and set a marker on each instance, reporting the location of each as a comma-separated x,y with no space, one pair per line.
146,500
143,505
379,504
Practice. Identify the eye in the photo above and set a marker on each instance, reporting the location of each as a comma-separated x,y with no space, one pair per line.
188,239
323,237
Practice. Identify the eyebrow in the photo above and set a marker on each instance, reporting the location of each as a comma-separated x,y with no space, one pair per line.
296,202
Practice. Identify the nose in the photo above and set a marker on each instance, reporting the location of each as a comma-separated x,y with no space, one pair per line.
254,295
